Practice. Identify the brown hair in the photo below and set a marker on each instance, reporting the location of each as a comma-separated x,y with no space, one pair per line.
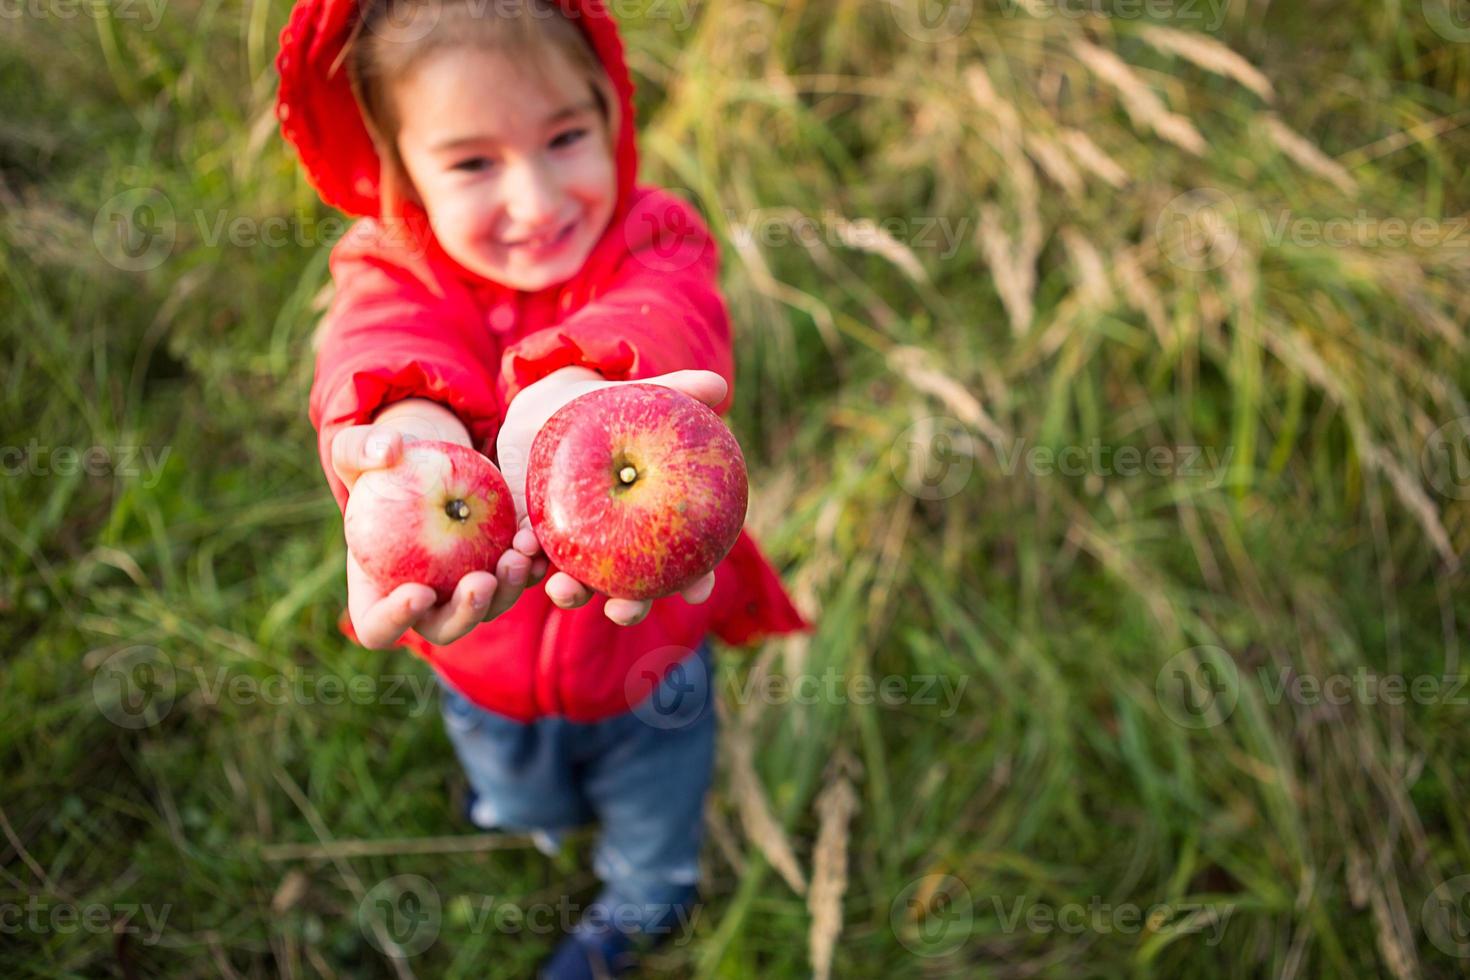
392,37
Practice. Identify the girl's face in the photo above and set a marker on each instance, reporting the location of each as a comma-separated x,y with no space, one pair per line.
516,177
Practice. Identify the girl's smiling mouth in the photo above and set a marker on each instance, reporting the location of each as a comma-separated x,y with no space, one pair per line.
544,244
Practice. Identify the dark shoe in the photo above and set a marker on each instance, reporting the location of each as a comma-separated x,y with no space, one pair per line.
596,949
591,954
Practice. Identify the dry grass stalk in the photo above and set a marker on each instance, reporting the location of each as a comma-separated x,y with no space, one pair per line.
1411,494
1404,277
1140,292
1296,351
867,235
1093,285
1144,107
760,824
1389,931
1012,261
1092,158
1211,55
1053,160
292,887
835,808
1307,155
1015,280
916,365
987,98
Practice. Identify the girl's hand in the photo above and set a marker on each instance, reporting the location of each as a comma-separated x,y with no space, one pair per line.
380,619
568,593
530,409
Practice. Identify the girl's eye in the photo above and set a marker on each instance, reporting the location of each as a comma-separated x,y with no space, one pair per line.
568,138
473,164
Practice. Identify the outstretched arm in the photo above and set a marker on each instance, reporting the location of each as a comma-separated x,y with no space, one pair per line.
661,319
529,412
380,618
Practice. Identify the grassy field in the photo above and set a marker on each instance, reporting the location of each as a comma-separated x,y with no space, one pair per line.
1105,397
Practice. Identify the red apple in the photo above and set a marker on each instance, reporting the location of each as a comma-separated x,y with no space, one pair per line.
439,512
636,490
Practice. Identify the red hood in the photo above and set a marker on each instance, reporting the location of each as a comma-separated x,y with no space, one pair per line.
320,118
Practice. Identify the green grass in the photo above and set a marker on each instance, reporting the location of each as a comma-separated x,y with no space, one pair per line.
1322,545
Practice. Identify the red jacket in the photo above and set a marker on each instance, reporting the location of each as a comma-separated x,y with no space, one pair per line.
408,321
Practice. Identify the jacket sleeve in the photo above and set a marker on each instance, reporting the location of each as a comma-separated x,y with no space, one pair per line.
661,311
391,334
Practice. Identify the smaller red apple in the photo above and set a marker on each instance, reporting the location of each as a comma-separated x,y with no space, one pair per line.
636,490
438,513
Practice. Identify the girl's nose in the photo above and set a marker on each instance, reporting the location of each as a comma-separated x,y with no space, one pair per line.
532,197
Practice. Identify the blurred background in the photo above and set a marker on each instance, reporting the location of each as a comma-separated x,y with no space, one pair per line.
1102,376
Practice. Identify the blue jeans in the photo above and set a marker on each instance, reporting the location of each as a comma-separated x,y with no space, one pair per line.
642,775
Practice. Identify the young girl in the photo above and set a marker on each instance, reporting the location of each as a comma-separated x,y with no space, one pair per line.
506,262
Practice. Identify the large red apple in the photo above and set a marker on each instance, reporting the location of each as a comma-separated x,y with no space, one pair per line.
439,512
636,490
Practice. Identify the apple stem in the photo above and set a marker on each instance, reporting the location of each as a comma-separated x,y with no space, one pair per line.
627,474
457,510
